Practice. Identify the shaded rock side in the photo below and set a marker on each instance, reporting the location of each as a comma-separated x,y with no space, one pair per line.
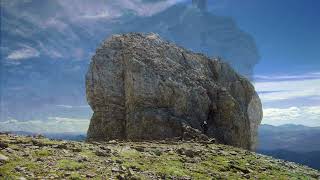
142,87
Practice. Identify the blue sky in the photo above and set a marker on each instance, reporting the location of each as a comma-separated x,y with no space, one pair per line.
286,32
46,47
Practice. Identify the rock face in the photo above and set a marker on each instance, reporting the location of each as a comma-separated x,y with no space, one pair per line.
141,87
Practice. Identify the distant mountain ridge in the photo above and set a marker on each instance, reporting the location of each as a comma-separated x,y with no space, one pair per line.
290,142
63,136
297,138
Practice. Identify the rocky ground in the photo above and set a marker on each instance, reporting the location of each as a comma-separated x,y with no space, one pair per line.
24,157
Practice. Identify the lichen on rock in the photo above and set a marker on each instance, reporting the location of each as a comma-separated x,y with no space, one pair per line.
142,87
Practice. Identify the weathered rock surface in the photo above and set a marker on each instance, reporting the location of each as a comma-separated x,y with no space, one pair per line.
142,87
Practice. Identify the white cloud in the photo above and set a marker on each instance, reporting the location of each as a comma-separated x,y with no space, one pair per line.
109,9
279,92
70,106
306,115
288,87
312,75
52,125
24,53
100,15
55,23
50,51
146,9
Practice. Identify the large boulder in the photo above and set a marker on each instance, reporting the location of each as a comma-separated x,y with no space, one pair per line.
142,87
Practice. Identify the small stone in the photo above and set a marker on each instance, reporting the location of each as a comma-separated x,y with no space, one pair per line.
40,159
263,168
223,153
51,163
34,147
90,175
123,168
19,169
105,148
37,142
55,146
185,178
139,148
121,177
115,153
233,153
95,143
3,145
3,158
157,152
102,153
113,142
9,150
62,146
108,161
134,168
82,159
247,176
115,169
76,150
131,172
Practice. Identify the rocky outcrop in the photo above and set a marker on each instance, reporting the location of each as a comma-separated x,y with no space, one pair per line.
142,87
58,159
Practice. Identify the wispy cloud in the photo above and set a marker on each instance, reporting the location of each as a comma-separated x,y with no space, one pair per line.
71,107
276,88
266,78
25,52
102,9
290,99
52,125
306,115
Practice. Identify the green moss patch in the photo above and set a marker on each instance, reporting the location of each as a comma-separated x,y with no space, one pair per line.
69,165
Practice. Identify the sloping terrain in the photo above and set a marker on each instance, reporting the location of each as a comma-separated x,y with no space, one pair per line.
37,157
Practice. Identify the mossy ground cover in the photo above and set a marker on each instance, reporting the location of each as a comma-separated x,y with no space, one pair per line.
34,158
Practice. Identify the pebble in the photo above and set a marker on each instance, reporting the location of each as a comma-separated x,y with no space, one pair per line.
233,153
102,153
3,145
113,142
90,175
9,150
3,158
115,169
247,176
